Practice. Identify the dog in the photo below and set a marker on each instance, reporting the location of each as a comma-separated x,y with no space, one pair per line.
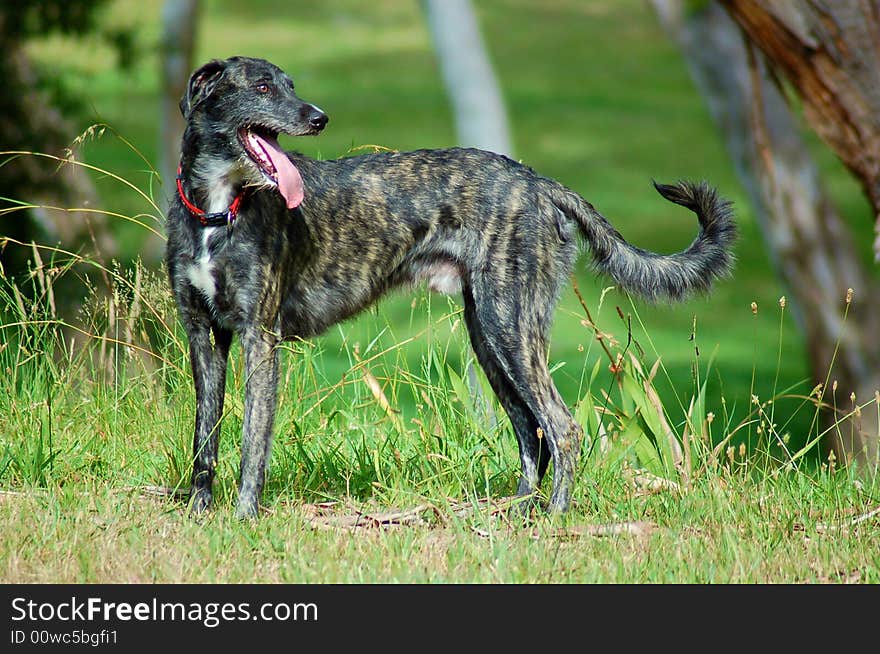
273,245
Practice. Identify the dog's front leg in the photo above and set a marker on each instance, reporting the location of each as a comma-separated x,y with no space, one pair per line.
261,368
209,376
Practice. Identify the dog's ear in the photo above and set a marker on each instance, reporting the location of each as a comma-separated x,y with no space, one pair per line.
201,84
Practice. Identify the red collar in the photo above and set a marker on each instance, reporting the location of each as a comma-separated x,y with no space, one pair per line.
217,219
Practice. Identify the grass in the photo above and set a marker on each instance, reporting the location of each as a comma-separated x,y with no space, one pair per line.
387,472
686,479
791,531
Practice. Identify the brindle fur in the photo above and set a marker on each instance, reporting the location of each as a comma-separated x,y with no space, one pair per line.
466,218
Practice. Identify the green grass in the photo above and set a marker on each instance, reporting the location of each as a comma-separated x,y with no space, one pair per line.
722,532
384,471
598,99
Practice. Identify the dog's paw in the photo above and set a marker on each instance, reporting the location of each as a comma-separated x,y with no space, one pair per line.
247,509
523,508
200,501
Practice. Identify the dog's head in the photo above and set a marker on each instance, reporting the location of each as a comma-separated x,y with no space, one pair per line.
251,102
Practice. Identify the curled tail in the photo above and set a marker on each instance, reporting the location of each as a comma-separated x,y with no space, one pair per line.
659,276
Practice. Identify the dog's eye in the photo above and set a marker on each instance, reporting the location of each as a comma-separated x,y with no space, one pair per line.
262,88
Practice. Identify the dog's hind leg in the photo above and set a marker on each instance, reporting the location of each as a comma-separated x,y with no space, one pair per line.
209,375
528,373
261,370
562,433
516,337
533,450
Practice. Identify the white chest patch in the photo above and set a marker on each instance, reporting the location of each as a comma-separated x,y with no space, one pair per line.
220,181
201,273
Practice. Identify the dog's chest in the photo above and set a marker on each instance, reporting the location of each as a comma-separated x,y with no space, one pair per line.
202,273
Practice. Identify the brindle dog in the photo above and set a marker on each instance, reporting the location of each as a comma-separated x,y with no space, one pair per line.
274,246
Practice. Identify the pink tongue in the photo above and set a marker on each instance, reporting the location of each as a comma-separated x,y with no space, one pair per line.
290,182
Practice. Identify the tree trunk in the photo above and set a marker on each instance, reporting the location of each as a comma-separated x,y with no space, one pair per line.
809,243
179,20
480,117
830,52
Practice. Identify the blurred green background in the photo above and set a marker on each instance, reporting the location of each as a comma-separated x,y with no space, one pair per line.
597,96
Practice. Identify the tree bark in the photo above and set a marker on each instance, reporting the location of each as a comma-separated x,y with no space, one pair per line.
809,243
480,117
830,52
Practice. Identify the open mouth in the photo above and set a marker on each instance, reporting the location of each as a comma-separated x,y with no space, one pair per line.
258,143
262,147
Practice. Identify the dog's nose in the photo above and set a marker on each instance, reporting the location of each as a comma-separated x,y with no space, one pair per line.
318,119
